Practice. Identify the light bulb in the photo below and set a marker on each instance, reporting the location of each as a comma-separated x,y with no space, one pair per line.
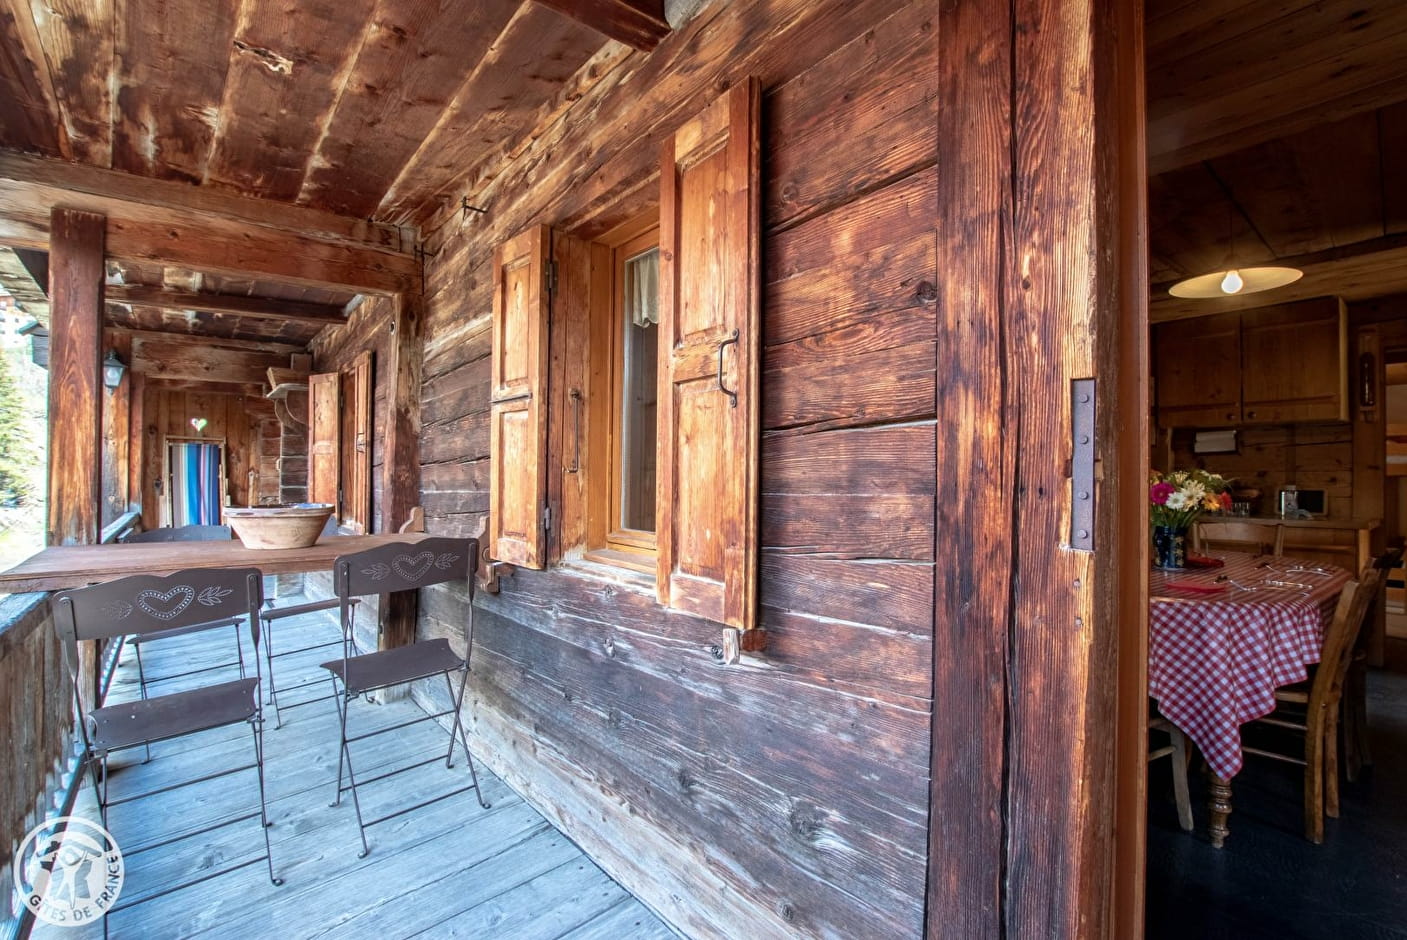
1232,283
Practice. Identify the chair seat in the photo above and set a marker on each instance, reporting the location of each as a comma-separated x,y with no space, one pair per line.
393,666
278,613
141,638
166,716
1298,693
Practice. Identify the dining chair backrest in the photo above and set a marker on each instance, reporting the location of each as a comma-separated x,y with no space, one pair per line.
1240,536
403,566
185,533
1341,635
149,604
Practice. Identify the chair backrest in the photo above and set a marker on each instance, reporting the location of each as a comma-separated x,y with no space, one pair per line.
1341,635
185,533
404,566
1240,536
149,604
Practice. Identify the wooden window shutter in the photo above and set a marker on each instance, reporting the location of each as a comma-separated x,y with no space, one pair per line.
356,509
324,437
518,399
706,510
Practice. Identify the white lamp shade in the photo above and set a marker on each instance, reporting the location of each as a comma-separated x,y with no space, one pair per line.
1219,284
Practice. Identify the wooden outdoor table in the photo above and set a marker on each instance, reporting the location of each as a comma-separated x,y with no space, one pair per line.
69,566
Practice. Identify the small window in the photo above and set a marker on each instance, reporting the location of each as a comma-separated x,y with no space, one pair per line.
622,480
637,319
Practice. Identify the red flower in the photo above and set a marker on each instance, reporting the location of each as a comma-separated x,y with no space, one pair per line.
1225,502
1160,492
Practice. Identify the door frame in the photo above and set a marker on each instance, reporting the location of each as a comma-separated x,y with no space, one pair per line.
166,506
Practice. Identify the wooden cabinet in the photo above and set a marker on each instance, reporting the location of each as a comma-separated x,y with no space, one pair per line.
1198,372
1294,362
1273,365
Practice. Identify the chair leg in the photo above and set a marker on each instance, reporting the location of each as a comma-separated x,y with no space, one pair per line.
239,652
269,663
142,686
345,756
1314,779
457,730
1331,762
257,726
1179,770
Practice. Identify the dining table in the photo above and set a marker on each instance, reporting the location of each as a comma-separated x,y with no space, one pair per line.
1222,639
67,566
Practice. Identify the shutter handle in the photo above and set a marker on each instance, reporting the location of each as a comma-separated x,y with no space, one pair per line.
732,395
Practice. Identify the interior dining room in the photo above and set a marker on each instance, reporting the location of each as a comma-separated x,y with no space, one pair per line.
1277,231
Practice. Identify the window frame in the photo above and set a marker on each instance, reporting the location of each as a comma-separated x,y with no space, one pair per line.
607,542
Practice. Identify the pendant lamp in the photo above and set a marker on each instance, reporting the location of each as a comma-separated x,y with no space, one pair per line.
1234,280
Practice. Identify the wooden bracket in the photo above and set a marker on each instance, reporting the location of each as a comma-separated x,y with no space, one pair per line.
736,642
493,570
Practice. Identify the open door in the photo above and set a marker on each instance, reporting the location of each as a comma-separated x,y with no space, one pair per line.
325,438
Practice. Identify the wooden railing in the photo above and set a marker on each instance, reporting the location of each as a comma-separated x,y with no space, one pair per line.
36,725
120,526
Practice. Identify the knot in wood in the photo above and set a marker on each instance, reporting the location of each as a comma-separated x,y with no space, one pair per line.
927,293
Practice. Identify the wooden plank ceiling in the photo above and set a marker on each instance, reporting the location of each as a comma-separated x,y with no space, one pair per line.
1277,135
376,110
366,108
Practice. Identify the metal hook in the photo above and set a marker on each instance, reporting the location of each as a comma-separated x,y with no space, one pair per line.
732,395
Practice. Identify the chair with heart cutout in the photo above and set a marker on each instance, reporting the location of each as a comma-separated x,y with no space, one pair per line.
403,566
143,605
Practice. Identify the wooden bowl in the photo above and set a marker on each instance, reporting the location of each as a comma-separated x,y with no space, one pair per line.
294,526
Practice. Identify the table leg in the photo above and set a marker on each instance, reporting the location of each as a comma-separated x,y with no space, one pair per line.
1219,802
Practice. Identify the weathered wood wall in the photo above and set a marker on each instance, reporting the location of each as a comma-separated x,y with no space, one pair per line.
334,351
1311,456
787,796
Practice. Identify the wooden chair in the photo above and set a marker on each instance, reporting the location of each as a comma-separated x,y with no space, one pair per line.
1355,693
1311,709
142,605
1238,536
1176,748
402,567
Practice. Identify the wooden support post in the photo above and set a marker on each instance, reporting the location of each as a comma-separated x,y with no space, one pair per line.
118,410
75,391
75,381
400,490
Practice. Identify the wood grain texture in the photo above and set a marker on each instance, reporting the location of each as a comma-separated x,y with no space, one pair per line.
411,60
29,110
75,383
169,82
78,37
141,295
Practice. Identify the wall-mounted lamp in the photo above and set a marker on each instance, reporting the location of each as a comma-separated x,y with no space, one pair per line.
112,370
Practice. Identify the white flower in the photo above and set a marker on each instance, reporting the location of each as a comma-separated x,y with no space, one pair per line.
1194,492
1177,500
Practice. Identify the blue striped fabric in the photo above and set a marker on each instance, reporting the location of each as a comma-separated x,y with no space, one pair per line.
195,468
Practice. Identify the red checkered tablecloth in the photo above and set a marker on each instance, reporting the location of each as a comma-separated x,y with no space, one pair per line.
1216,659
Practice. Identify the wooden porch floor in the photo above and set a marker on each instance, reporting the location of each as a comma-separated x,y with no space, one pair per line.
447,870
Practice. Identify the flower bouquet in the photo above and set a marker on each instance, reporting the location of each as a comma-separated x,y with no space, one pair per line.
1177,499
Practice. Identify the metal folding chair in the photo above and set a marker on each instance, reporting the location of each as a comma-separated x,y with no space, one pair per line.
186,533
143,605
401,567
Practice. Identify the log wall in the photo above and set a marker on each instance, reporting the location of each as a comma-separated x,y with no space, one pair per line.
787,796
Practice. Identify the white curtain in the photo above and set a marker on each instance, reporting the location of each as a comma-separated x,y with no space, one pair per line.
643,290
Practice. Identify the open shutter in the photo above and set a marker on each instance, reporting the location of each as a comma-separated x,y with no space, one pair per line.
356,495
517,399
706,516
324,436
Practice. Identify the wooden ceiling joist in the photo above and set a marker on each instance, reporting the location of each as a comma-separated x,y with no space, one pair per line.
639,24
172,223
1354,272
142,295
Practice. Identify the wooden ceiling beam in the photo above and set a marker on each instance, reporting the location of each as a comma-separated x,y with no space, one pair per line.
194,339
639,24
172,223
1355,272
264,308
170,357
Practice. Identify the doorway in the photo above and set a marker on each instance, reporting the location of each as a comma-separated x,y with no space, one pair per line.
193,482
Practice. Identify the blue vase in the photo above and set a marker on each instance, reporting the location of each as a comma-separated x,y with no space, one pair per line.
1169,547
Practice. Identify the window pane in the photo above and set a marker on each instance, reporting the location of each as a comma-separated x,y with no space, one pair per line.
637,453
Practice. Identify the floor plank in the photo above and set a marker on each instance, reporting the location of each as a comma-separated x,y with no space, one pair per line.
451,868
